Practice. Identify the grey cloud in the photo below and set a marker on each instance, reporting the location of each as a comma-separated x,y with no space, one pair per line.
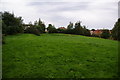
44,3
93,13
72,6
62,6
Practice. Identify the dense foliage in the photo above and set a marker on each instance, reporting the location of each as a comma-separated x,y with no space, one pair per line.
51,29
77,29
11,24
40,26
37,28
116,30
61,30
105,34
70,29
32,30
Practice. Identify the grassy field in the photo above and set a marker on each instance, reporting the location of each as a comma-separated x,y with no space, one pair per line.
59,56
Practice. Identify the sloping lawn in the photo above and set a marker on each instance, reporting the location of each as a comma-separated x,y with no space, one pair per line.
59,56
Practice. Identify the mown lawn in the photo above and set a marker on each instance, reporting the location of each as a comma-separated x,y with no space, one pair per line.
59,56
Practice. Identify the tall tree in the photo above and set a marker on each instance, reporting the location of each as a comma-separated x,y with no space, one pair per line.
69,29
105,34
41,26
78,28
70,26
11,24
86,32
116,30
51,28
35,23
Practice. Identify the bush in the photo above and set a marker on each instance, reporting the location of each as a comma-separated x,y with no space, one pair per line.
105,34
86,32
60,30
94,35
69,31
51,29
32,30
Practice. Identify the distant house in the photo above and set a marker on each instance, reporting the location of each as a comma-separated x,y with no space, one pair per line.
26,26
62,28
110,31
98,32
46,30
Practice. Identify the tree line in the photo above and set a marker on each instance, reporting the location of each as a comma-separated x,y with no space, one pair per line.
12,24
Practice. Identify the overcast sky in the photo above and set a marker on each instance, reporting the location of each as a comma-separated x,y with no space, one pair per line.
95,14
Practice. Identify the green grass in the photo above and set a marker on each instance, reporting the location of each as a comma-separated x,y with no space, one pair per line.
59,56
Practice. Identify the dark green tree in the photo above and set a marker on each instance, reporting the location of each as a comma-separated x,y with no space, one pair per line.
4,28
69,29
35,23
86,32
116,30
51,29
11,24
78,28
32,30
70,26
105,34
40,26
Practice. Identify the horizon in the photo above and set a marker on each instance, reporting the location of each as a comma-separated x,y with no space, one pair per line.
93,14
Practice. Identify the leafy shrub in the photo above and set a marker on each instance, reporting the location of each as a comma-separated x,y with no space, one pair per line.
60,30
51,29
105,34
69,31
32,30
94,35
